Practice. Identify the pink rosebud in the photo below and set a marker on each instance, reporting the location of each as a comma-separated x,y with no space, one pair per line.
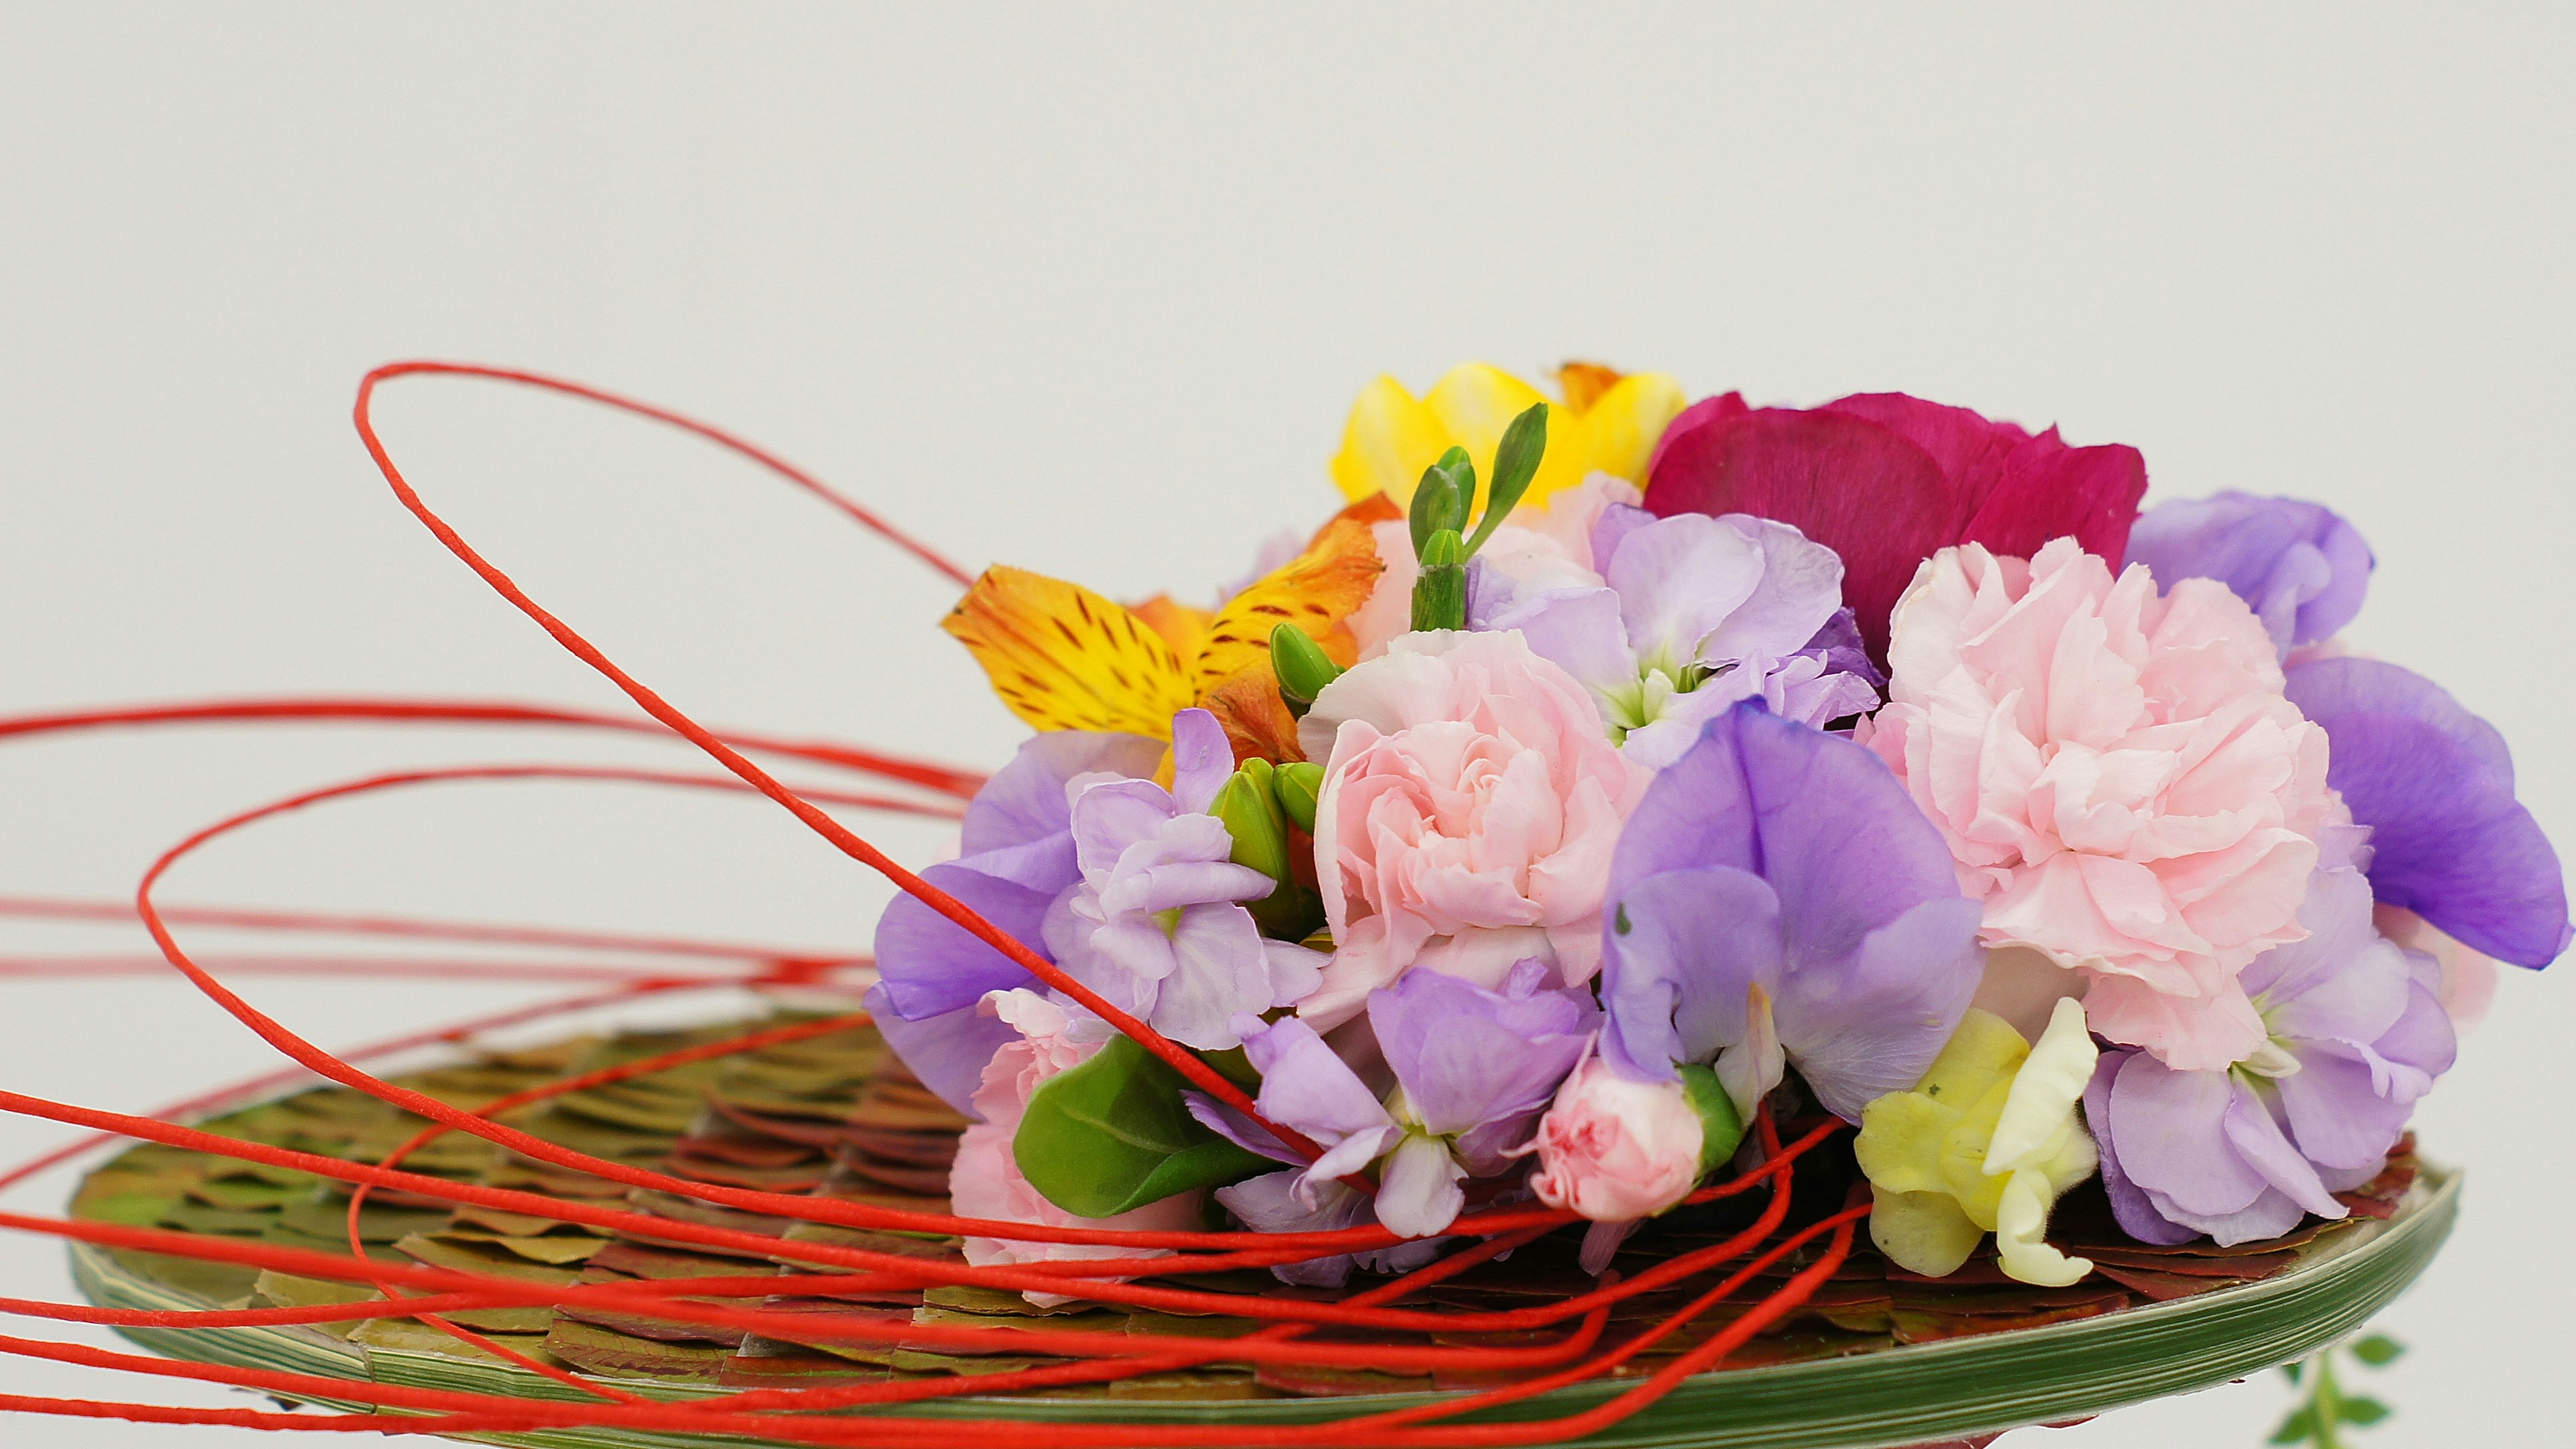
1614,1149
986,1181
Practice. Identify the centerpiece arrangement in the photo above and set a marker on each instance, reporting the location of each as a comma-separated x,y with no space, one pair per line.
1608,769
1657,922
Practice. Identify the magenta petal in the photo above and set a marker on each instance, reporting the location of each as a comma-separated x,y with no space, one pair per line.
1972,450
1878,501
2049,490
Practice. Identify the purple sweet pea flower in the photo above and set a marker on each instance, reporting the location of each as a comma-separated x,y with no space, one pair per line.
2357,1035
1155,925
1017,856
1474,1070
2303,569
1698,613
1778,897
1276,1202
2435,785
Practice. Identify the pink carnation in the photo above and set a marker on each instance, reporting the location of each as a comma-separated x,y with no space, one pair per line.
986,1180
1616,1150
1471,800
2119,777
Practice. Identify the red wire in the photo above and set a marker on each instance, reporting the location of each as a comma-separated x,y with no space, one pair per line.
344,924
1100,1355
1199,1073
946,779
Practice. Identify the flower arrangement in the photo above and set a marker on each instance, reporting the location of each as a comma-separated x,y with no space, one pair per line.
1444,974
1609,770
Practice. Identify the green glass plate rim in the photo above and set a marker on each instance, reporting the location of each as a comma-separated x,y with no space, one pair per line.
1904,1395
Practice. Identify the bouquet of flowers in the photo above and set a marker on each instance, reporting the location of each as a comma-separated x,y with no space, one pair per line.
1440,977
1611,771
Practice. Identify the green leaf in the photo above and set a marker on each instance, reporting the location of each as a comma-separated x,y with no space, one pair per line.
2294,1369
2378,1350
1113,1134
1302,667
1721,1127
1516,461
2364,1411
2296,1429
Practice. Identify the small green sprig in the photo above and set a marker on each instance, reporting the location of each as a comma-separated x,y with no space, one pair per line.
1442,503
2327,1410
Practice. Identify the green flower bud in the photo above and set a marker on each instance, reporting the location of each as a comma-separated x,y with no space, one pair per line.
1302,666
1721,1127
1250,807
1443,497
1297,786
1440,594
1252,816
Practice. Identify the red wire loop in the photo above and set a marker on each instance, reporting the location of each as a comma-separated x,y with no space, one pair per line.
1581,1346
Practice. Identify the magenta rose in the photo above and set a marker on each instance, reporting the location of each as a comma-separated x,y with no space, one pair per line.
1886,481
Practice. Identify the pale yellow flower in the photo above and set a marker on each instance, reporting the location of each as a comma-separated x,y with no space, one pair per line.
1607,423
1986,1143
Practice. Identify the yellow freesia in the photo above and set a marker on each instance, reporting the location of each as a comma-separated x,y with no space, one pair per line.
1063,657
1987,1142
1608,423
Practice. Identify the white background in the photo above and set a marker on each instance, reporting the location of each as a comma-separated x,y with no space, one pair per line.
1089,290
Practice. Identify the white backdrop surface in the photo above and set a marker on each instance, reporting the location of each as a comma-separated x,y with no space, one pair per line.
1088,289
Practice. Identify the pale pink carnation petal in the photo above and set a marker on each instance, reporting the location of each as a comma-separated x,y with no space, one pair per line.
2119,777
1469,788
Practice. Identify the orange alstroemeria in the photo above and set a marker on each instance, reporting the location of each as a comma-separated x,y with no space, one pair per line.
1063,657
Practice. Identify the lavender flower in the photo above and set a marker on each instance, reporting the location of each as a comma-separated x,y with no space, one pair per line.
1124,884
1698,613
2303,569
1779,898
2435,785
1155,924
1016,857
1474,1070
2356,1034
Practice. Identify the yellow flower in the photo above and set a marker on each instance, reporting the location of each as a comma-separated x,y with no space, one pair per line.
1607,424
1986,1142
1063,657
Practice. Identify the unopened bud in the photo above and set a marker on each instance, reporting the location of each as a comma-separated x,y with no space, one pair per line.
1302,666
